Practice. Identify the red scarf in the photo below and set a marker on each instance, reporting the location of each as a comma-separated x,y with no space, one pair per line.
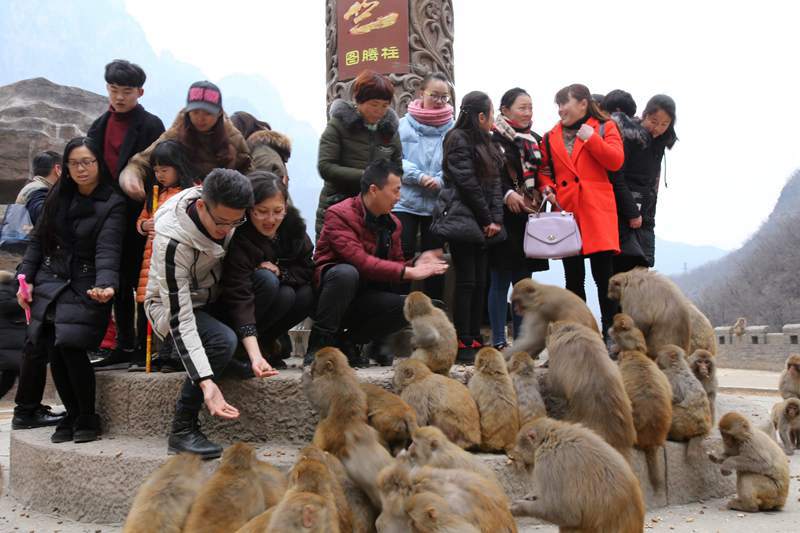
430,117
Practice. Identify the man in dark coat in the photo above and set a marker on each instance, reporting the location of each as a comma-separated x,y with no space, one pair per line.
358,256
122,132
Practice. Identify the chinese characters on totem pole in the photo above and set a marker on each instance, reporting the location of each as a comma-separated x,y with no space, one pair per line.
404,39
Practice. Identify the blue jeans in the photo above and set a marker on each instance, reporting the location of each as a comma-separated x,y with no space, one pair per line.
499,281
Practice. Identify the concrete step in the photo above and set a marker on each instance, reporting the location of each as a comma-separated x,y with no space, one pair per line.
97,481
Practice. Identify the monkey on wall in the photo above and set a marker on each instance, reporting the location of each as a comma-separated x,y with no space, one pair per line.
540,305
789,385
739,327
433,335
704,368
164,499
581,483
393,418
582,373
785,420
762,471
493,391
439,401
530,404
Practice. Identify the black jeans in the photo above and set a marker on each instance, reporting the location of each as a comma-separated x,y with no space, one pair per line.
32,379
279,307
602,265
346,302
73,374
125,299
470,262
412,226
219,342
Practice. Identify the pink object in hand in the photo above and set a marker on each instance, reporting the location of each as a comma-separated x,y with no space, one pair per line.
26,293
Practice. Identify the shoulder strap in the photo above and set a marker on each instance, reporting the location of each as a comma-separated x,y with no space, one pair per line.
546,140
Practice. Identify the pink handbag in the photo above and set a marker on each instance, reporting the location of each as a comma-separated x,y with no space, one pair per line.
553,235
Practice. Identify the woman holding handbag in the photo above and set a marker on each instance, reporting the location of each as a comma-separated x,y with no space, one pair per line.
472,213
579,152
513,137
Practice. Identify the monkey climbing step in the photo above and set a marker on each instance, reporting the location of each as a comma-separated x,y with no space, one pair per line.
97,481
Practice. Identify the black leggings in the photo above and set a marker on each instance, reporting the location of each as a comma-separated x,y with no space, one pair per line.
412,226
602,269
470,262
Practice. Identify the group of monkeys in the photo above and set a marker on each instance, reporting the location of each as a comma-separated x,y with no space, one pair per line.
399,462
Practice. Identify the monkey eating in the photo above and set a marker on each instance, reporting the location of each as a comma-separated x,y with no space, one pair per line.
393,418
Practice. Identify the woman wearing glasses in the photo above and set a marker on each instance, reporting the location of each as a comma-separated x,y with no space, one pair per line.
72,269
422,133
266,279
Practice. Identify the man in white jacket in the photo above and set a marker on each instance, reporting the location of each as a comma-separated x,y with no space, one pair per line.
193,229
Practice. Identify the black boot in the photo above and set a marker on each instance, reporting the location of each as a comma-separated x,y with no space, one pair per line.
187,437
39,417
317,341
87,428
379,351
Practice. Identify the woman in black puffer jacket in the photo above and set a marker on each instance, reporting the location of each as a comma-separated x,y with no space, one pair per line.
12,332
72,265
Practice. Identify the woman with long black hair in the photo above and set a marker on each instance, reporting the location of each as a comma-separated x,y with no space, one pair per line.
72,268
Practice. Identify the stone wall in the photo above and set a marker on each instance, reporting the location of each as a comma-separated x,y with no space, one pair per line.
758,348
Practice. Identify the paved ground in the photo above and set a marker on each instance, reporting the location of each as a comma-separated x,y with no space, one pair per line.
702,517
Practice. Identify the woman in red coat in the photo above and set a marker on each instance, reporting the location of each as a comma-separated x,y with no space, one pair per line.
579,153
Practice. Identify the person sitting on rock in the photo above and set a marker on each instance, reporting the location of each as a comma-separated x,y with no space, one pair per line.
193,231
358,257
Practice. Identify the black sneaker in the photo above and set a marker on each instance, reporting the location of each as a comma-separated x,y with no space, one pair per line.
42,416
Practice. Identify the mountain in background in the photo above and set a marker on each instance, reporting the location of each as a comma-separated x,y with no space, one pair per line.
69,43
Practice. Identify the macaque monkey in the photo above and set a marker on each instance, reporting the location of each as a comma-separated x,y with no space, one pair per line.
691,413
303,512
786,422
789,385
540,305
344,431
164,499
702,336
704,369
241,488
762,471
493,391
581,483
583,374
433,335
394,485
439,401
432,448
530,404
258,524
649,391
740,327
393,418
656,304
469,495
430,513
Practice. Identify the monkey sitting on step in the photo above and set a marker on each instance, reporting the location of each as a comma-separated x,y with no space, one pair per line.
433,335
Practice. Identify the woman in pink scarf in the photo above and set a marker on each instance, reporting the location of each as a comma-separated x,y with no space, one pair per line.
422,131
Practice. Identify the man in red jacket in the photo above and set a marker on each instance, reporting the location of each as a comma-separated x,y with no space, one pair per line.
358,257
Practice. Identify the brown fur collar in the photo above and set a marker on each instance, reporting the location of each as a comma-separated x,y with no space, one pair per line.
277,141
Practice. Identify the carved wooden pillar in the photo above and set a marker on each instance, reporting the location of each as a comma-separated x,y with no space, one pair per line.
430,39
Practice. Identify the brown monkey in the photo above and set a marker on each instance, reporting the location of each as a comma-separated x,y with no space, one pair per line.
530,404
432,448
739,327
344,431
702,336
391,416
582,484
430,513
626,336
163,501
241,488
649,392
789,385
540,305
258,524
311,473
704,368
583,374
469,495
656,304
394,484
433,335
303,512
786,422
439,401
691,413
762,471
493,391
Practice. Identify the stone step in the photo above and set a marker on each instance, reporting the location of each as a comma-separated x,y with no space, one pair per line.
96,482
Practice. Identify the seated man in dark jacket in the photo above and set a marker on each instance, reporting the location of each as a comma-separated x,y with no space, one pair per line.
358,257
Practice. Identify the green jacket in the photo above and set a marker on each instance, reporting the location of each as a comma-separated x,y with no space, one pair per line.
347,147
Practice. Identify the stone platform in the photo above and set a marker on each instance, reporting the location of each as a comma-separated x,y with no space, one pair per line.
96,482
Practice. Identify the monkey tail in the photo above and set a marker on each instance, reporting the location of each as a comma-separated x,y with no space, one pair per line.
653,472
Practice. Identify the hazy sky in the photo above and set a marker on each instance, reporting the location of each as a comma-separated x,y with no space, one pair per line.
727,64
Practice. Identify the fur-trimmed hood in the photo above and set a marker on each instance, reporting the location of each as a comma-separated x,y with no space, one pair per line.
349,115
275,140
631,129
